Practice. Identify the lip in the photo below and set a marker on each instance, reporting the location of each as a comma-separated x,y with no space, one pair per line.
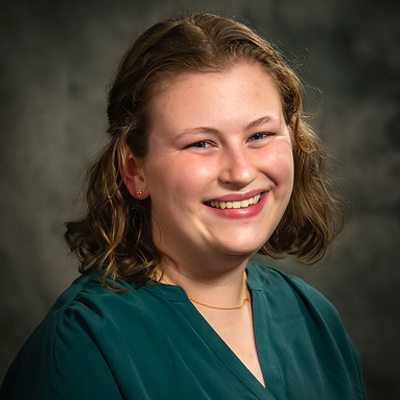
240,213
238,196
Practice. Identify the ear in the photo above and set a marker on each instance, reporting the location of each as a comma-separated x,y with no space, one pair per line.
132,173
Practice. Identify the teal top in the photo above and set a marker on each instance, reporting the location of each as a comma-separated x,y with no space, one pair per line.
152,343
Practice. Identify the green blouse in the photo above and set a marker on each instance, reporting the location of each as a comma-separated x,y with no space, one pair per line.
152,343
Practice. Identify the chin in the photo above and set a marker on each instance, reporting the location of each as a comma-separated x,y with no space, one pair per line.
244,251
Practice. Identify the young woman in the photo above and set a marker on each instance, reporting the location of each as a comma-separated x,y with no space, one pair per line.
210,161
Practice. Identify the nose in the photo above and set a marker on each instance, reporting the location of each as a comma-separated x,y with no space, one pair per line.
237,168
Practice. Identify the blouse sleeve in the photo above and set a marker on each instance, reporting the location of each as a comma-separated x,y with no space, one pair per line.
62,361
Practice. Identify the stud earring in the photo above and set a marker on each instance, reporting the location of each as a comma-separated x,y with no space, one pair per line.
139,192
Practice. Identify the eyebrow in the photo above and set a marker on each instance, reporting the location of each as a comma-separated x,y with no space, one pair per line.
203,129
261,121
199,130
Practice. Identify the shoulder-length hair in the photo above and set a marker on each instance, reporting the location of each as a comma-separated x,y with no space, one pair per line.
116,235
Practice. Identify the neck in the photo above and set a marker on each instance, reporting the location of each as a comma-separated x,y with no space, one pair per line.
220,291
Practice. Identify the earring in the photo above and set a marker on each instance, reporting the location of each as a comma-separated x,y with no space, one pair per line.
139,192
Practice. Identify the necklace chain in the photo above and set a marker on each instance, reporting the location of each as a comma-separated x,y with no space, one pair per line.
245,300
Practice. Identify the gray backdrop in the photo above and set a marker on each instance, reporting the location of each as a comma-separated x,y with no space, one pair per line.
57,59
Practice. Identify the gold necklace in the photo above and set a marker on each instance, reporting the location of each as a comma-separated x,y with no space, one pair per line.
246,299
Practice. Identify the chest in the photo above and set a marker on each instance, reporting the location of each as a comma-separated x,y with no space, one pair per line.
236,329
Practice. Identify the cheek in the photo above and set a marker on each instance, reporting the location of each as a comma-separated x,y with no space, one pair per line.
178,177
280,163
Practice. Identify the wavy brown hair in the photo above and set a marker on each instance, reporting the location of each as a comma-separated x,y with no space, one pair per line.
116,235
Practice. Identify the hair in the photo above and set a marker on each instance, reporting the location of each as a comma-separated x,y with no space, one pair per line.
115,236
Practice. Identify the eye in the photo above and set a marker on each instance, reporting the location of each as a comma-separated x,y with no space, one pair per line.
260,136
200,145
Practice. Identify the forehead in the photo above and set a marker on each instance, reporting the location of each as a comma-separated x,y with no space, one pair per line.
167,79
241,87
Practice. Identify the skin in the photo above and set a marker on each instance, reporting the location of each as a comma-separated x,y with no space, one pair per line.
215,137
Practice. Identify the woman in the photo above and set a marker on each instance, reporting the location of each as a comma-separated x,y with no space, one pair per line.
210,161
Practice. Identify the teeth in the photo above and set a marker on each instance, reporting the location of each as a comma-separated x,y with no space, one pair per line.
235,204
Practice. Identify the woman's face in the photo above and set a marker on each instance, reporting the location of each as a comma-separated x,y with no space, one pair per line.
219,169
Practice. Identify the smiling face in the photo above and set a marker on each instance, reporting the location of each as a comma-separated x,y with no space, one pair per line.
219,169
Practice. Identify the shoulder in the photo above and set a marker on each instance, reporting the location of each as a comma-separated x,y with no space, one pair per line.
275,282
87,308
70,344
292,298
88,316
85,300
292,302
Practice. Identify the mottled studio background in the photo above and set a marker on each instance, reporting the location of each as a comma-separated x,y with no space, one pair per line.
57,60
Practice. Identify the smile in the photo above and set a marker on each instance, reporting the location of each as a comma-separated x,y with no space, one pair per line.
235,204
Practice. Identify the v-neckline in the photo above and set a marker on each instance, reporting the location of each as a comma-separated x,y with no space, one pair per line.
226,355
